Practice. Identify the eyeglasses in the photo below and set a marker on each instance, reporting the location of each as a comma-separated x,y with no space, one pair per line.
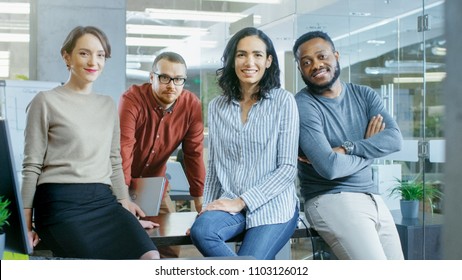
165,79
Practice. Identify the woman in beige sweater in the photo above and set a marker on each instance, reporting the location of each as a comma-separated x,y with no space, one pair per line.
72,171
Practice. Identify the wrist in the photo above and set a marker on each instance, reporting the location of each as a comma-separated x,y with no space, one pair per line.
348,146
243,204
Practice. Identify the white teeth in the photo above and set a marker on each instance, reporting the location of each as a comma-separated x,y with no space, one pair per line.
319,73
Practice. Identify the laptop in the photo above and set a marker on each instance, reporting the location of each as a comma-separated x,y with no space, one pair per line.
179,185
176,177
147,194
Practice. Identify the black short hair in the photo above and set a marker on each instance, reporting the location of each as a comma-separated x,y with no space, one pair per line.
311,35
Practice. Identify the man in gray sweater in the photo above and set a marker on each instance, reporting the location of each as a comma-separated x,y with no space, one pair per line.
343,128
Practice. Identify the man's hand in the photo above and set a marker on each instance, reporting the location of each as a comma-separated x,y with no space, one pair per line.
304,159
340,150
198,203
375,126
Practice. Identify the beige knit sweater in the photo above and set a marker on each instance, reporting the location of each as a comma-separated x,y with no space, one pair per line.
71,138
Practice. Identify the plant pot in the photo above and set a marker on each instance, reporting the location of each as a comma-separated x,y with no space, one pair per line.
409,209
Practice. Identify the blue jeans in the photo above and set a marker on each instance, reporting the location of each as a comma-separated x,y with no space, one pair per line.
212,229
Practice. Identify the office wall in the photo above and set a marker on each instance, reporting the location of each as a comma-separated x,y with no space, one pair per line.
51,21
452,241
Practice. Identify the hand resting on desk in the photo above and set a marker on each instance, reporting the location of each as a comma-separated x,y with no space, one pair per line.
148,224
136,210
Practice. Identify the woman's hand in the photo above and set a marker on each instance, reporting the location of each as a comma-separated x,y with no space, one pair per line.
227,205
33,238
148,224
135,209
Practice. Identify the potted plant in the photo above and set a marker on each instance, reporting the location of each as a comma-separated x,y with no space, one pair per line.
4,215
411,193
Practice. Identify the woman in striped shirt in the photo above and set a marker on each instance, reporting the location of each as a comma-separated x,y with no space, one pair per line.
253,142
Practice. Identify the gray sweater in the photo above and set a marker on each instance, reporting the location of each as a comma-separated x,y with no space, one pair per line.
71,138
326,123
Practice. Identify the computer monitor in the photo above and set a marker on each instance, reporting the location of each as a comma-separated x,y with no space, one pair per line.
16,231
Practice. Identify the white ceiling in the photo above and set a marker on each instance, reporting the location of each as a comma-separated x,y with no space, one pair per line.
351,23
386,24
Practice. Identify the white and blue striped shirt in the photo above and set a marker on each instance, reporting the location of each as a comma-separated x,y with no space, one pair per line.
256,161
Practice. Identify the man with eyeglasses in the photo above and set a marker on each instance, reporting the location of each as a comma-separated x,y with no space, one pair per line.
155,118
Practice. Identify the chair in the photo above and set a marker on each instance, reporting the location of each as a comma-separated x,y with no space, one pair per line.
320,250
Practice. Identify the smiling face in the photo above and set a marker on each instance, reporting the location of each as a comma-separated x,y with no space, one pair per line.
251,61
86,61
318,64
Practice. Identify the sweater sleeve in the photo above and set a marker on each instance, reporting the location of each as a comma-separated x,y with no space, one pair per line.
119,187
385,142
316,146
35,145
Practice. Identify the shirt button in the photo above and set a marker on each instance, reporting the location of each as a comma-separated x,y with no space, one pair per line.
147,164
157,136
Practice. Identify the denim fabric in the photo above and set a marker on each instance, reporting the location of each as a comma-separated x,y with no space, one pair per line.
212,229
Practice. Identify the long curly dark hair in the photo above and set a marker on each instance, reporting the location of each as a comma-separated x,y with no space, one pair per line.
227,78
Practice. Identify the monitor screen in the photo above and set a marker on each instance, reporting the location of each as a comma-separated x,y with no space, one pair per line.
16,231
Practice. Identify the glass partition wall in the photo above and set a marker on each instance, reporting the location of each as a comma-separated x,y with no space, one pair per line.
396,47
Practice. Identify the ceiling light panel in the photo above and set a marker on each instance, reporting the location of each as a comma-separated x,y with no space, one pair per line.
169,14
14,37
15,8
165,30
250,1
157,42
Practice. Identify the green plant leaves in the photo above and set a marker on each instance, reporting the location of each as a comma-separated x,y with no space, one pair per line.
4,212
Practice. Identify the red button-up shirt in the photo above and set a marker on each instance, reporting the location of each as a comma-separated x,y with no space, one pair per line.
150,134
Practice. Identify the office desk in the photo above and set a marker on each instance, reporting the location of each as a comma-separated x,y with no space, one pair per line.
420,233
173,226
172,230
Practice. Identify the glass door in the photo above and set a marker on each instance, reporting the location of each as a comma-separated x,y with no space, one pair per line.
398,49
